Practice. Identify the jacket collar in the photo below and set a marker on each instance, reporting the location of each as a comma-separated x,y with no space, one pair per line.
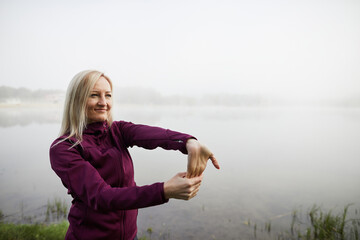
96,128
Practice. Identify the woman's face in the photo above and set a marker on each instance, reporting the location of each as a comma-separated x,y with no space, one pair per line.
98,105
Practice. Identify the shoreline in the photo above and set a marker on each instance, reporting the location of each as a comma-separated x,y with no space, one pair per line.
29,105
127,105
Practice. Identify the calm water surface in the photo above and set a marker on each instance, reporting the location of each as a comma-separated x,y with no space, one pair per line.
272,161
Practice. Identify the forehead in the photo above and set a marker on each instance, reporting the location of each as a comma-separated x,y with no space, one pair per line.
102,84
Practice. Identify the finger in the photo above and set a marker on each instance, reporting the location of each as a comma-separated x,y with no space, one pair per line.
194,194
194,188
181,174
188,195
192,171
214,162
197,188
189,174
197,171
197,180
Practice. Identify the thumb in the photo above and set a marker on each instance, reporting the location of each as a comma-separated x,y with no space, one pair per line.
214,162
198,179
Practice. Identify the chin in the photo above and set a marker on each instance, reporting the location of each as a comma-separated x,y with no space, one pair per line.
97,119
102,119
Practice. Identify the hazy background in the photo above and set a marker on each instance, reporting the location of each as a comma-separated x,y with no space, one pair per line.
216,69
299,49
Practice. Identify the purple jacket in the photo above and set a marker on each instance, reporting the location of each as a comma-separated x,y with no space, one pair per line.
99,175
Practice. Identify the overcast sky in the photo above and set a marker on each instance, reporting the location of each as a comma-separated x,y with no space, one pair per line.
280,47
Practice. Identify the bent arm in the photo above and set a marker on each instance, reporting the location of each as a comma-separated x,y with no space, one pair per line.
85,183
152,137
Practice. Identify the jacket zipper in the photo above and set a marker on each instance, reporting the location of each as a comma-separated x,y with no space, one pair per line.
123,224
121,176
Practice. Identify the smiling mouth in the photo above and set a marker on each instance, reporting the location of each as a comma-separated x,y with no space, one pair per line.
100,110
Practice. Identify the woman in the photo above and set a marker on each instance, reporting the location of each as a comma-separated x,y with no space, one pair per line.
93,163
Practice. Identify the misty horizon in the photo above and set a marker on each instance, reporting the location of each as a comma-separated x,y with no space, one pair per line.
300,50
150,96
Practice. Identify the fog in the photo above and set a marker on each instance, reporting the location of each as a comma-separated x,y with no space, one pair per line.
294,49
272,162
235,70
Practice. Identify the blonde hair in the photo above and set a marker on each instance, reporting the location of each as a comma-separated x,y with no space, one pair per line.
74,117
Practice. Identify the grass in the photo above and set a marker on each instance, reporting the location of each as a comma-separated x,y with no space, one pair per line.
56,210
33,231
327,225
52,227
319,225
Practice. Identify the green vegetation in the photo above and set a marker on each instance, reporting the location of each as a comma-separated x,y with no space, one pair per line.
53,227
329,225
319,225
1,216
33,231
56,210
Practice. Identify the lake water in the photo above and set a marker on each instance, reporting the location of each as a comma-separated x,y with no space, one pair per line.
273,160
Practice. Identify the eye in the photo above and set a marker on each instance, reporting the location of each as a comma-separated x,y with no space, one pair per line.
94,95
108,95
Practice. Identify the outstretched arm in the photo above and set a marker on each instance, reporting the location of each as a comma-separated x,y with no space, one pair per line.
198,155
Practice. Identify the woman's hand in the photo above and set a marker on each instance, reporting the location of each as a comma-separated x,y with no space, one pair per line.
198,155
180,187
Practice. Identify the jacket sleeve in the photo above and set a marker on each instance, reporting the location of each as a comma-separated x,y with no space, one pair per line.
149,137
85,183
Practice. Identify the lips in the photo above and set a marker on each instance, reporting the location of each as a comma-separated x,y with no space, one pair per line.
100,110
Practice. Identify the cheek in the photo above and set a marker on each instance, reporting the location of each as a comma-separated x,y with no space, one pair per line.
88,112
89,107
109,104
90,103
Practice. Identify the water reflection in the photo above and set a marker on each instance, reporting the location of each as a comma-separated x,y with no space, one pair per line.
51,114
272,159
23,116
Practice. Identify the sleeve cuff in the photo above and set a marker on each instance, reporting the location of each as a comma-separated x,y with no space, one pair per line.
163,193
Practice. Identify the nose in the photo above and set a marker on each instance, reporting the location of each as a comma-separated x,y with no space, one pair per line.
102,101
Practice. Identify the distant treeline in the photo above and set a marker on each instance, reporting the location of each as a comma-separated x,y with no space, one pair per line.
149,96
131,95
24,94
